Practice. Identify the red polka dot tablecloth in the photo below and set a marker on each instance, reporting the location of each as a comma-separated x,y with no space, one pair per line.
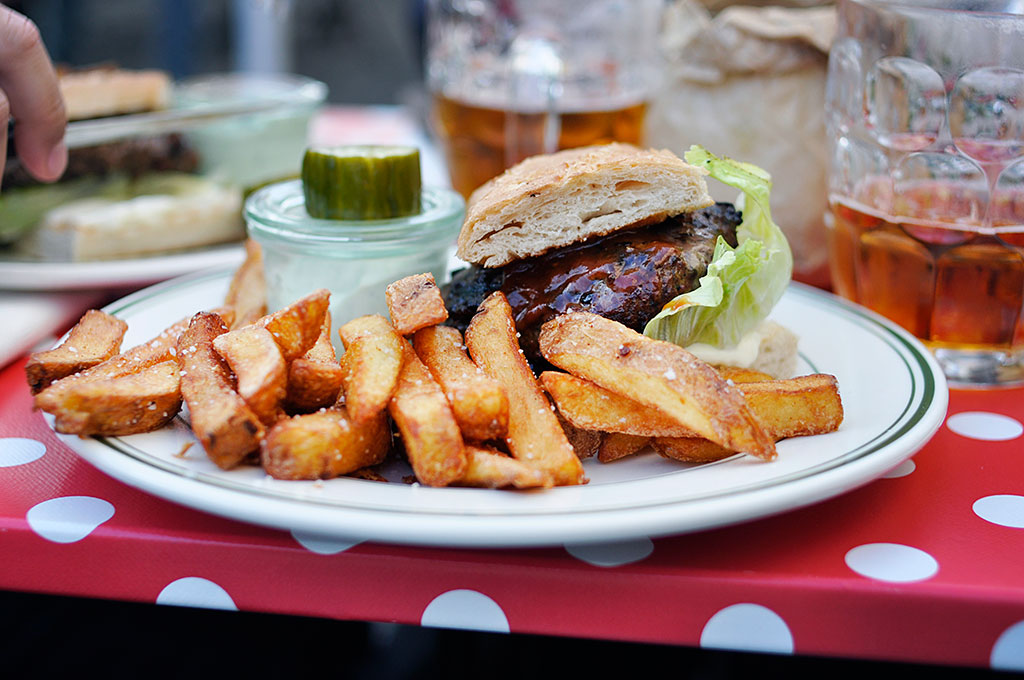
925,564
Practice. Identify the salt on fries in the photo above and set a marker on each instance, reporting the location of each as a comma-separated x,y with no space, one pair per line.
269,390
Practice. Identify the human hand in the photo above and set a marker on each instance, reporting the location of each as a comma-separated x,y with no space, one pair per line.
29,92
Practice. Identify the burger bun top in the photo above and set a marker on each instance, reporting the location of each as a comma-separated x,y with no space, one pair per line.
555,200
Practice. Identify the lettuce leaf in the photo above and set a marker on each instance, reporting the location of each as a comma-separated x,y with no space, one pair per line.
742,284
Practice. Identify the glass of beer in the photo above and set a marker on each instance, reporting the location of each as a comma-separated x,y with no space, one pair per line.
925,114
511,79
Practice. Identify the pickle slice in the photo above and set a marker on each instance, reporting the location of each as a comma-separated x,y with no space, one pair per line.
361,182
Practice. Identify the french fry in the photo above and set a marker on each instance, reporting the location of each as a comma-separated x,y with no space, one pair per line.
297,327
690,449
222,422
807,405
534,434
615,445
372,362
739,374
431,436
247,292
314,379
659,374
415,302
261,375
324,445
479,403
588,406
586,443
128,404
491,469
95,338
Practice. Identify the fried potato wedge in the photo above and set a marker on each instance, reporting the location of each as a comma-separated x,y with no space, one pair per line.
324,445
95,338
128,404
738,374
659,374
806,405
616,445
534,434
690,449
431,436
315,378
247,292
589,406
489,468
373,358
222,422
478,401
415,302
261,375
297,326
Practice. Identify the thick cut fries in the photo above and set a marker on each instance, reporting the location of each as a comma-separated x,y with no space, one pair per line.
227,429
479,403
324,444
297,326
128,404
659,374
491,469
793,407
261,375
314,379
584,442
372,361
615,445
534,434
247,292
95,338
432,439
415,302
690,449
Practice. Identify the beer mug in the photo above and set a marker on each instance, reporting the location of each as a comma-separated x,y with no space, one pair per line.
925,113
514,78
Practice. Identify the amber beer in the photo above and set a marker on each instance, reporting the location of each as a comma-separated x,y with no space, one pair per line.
948,281
480,142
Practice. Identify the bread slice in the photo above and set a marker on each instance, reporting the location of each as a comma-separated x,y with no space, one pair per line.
98,92
567,197
777,353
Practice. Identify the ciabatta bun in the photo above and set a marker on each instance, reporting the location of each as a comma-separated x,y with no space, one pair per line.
99,92
568,197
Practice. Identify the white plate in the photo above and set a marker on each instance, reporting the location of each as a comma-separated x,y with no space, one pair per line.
893,393
22,273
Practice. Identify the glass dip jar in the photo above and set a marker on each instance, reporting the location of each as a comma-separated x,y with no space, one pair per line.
354,259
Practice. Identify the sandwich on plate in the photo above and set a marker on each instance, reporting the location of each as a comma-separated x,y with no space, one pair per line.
632,234
131,196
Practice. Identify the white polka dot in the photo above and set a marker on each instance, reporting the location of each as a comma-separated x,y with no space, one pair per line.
747,627
68,519
193,591
323,545
612,554
1008,651
1005,510
465,609
982,425
901,470
19,451
892,562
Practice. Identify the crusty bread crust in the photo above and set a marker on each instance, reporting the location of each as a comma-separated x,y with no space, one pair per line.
97,92
567,197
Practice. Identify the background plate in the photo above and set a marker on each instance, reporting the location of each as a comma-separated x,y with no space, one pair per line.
893,392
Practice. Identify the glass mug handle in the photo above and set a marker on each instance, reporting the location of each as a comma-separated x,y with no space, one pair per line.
536,74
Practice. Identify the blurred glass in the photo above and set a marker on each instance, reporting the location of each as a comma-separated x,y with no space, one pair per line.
514,78
925,113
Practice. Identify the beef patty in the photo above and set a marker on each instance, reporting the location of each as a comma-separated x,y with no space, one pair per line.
627,276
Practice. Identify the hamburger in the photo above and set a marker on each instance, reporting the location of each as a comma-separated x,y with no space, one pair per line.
633,235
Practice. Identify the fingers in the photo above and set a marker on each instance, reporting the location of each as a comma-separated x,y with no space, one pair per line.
29,81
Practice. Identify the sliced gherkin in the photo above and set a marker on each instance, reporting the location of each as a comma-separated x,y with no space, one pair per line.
361,182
